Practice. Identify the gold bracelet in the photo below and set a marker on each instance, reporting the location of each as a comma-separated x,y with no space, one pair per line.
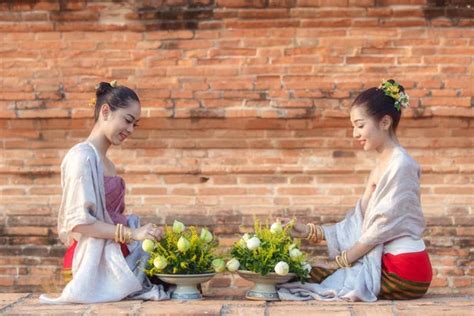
311,231
116,233
120,233
338,261
344,258
128,235
124,240
316,236
320,232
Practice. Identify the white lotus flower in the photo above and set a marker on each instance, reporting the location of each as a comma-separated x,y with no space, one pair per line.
276,228
295,253
206,235
183,244
282,268
218,265
233,265
178,227
160,262
253,243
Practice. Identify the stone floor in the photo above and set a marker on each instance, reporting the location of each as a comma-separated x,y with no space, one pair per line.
27,304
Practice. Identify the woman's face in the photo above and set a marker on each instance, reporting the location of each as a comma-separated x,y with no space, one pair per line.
119,124
369,133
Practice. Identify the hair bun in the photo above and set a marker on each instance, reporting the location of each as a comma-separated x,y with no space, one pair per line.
102,89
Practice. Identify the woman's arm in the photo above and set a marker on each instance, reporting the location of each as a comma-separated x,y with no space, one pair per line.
357,251
103,230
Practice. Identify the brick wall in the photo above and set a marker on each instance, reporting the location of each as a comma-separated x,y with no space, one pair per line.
245,112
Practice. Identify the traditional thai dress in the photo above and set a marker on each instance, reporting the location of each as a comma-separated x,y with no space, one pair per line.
115,206
102,270
398,267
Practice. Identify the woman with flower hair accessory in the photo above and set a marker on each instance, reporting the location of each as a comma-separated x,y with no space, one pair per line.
104,260
377,251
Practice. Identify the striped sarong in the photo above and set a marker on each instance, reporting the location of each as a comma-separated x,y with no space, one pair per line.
415,266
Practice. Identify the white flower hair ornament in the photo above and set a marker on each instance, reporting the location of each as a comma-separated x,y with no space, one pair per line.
392,89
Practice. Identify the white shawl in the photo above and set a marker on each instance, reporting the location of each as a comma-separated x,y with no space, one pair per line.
100,271
393,211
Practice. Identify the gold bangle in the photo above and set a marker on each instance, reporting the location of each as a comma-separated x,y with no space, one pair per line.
344,258
120,233
128,235
311,230
320,232
116,233
122,240
338,261
317,234
316,238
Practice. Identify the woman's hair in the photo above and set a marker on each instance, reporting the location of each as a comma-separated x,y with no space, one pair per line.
377,103
115,96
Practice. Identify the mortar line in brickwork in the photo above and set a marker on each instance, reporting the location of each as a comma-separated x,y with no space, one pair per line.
5,308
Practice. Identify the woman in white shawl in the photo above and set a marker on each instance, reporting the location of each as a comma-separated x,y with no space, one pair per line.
377,250
104,255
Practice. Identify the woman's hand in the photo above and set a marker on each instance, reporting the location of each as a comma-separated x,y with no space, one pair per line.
326,264
298,230
148,231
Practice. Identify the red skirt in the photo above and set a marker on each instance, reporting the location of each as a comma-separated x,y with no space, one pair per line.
404,276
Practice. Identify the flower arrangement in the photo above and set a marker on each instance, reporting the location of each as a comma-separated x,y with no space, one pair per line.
182,251
392,89
269,249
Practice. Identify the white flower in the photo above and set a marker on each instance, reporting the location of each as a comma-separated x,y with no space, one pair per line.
160,262
206,235
276,228
253,243
178,227
295,253
183,244
243,241
233,265
218,265
282,268
148,245
306,266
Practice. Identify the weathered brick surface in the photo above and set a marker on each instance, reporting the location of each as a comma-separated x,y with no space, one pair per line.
28,304
245,107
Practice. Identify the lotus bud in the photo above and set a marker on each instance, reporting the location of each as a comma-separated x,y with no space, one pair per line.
253,243
282,268
307,266
160,262
183,244
233,265
276,228
218,265
178,227
148,245
295,253
206,235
